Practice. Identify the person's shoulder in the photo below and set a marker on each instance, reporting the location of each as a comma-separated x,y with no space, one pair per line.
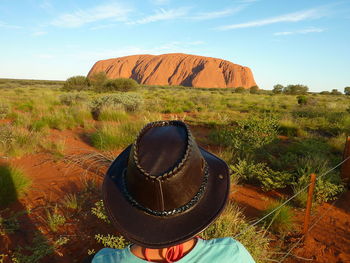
231,247
108,255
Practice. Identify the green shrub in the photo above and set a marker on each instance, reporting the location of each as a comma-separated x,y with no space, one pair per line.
327,188
260,173
282,220
111,241
254,90
13,184
231,223
97,80
277,89
347,90
302,100
240,90
296,89
129,101
248,135
121,84
99,211
76,83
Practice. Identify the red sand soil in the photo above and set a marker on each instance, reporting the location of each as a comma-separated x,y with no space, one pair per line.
329,240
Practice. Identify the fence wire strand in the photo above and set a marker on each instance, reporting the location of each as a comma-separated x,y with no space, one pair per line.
311,227
289,199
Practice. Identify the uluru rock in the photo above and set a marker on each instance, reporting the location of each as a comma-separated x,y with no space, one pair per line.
177,69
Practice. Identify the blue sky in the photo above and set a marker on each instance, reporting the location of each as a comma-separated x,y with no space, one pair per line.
282,41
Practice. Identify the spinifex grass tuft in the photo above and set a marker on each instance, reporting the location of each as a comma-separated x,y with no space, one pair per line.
13,184
54,219
282,220
114,136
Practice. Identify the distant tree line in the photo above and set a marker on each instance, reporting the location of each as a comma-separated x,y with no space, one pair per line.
299,89
100,83
295,89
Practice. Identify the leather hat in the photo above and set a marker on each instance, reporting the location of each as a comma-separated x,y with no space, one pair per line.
164,189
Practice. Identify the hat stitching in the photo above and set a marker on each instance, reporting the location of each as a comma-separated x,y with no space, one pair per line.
180,209
181,163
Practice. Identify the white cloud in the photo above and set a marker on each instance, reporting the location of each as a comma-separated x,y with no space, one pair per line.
162,15
170,47
217,14
5,25
291,17
114,12
39,33
302,31
311,30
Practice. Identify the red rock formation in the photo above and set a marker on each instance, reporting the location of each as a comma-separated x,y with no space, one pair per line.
177,69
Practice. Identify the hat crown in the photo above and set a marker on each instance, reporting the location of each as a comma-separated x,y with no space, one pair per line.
161,148
165,173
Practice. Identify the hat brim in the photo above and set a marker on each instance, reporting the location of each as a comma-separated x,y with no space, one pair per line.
156,231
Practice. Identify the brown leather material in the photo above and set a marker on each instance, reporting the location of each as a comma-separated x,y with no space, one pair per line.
165,192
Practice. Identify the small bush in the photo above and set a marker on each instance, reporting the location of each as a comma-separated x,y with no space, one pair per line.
260,173
282,220
111,241
130,102
302,100
13,184
76,83
240,90
327,188
97,80
99,211
248,136
254,90
121,84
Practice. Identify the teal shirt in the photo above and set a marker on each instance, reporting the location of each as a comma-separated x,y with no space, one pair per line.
220,250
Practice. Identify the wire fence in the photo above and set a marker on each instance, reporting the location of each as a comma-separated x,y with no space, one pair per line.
312,226
288,200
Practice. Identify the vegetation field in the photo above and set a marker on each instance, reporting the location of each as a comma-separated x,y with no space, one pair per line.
57,142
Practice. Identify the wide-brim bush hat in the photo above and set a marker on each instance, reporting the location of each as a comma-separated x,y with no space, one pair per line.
164,189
